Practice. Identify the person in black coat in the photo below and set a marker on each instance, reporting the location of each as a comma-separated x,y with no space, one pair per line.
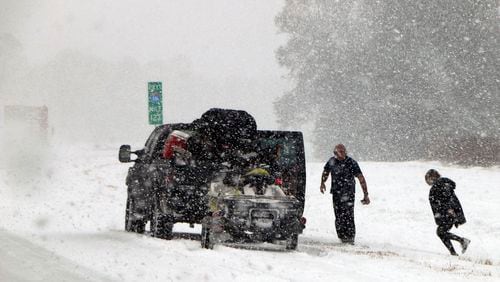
446,209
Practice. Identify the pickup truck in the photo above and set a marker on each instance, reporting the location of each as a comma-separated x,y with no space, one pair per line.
170,178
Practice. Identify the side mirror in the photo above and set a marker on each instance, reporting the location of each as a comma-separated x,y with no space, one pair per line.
124,154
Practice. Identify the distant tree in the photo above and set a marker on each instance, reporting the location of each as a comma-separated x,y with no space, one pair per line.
391,78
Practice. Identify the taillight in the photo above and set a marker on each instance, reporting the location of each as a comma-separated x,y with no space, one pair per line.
278,181
176,139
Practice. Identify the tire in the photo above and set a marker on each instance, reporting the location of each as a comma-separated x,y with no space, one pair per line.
292,241
131,225
206,240
161,225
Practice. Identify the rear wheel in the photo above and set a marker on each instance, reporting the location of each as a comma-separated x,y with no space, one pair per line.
132,224
206,240
292,241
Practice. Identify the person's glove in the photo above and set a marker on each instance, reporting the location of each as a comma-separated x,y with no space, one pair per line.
322,188
366,200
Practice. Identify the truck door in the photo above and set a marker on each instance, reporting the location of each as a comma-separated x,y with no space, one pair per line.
284,153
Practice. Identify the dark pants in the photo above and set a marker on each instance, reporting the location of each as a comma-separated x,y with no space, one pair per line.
446,237
344,218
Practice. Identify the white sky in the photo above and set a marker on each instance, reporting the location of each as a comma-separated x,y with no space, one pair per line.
227,42
236,35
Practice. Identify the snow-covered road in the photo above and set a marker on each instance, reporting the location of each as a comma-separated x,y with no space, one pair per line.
22,260
65,224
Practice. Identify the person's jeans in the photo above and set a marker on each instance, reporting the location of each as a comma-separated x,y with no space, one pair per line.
344,219
446,236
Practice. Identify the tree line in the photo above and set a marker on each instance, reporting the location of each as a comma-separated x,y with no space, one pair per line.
395,80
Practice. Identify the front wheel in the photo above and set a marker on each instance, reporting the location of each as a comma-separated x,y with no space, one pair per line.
292,241
161,224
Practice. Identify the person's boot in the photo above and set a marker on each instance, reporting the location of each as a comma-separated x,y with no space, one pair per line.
347,241
449,246
465,243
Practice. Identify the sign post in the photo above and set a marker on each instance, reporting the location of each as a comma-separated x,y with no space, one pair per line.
155,103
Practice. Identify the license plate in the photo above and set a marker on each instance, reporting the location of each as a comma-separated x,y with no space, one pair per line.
263,214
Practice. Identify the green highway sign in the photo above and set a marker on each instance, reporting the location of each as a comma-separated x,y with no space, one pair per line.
155,103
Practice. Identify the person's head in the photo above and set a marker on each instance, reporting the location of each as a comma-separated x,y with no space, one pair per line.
431,176
340,152
258,178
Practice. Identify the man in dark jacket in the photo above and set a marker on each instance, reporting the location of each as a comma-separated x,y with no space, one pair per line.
446,209
343,170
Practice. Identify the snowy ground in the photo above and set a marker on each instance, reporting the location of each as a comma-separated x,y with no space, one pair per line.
65,220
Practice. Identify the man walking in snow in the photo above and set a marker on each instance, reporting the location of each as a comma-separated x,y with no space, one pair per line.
446,209
343,170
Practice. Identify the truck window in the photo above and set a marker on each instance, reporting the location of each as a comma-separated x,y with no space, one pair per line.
281,150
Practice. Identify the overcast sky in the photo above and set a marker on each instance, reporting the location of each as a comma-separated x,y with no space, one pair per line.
226,42
234,35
